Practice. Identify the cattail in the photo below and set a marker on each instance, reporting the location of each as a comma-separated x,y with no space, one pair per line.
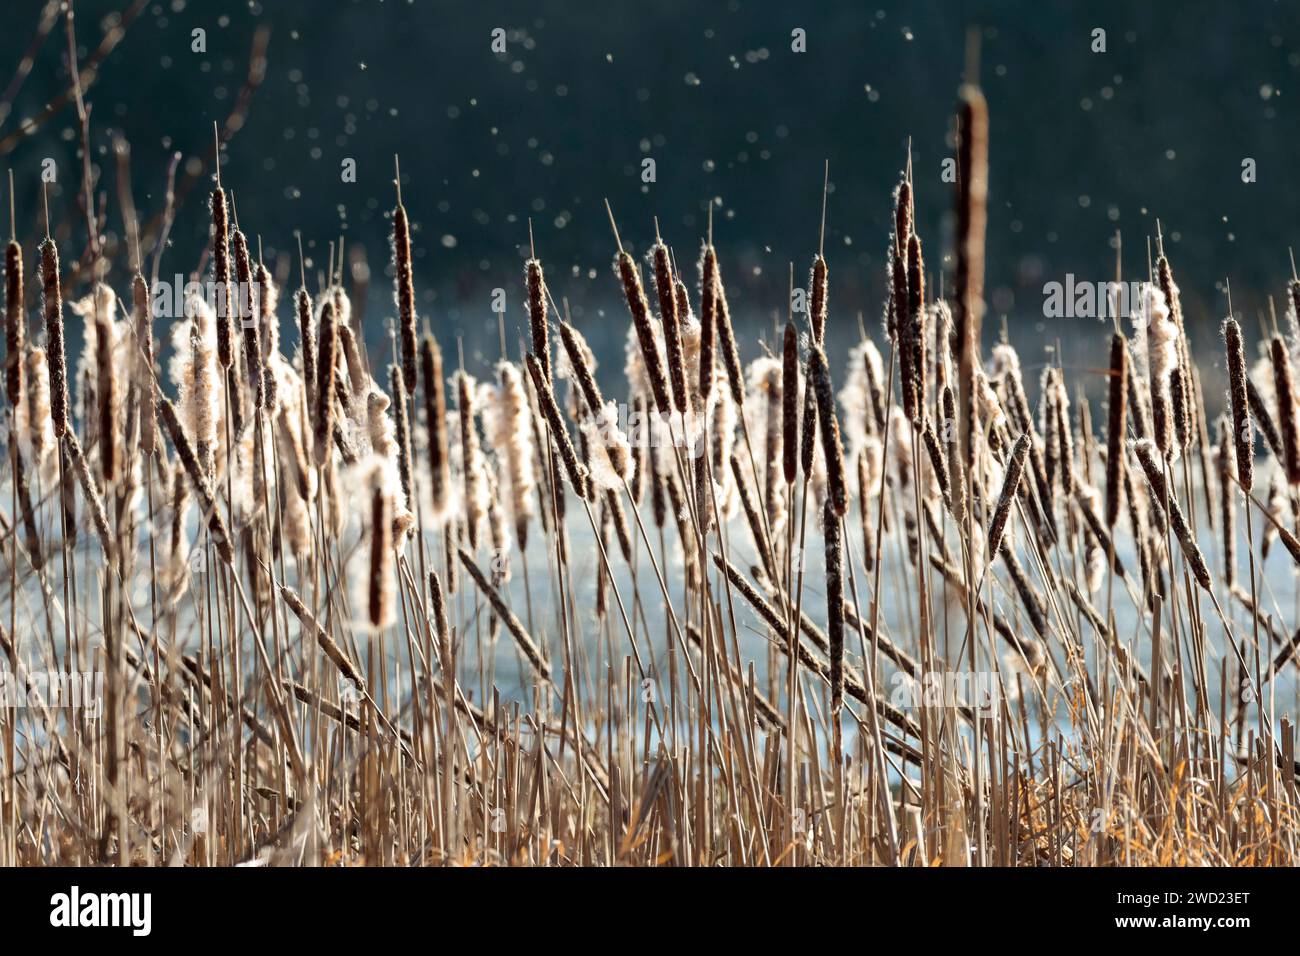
397,382
1286,411
808,426
221,275
551,412
1163,496
499,606
972,212
202,487
1065,438
817,306
900,335
790,404
917,330
536,283
727,341
658,506
669,318
606,450
865,486
327,644
268,297
380,597
938,462
641,451
52,292
404,291
643,324
327,358
834,605
143,310
941,323
948,409
903,222
471,460
106,387
603,417
307,337
509,425
1178,395
1029,598
32,422
830,430
15,323
350,353
248,322
708,312
1242,434
93,499
1259,409
1051,435
1010,488
435,420
1117,406
196,374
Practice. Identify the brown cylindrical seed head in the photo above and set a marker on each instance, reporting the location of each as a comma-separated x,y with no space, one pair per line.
380,595
667,292
1259,411
307,336
326,362
1166,502
246,309
405,290
1286,410
708,311
727,341
1117,407
15,323
1243,435
402,418
143,313
202,489
818,301
829,427
1178,394
106,392
559,434
52,292
535,280
221,275
834,604
645,333
435,415
1010,488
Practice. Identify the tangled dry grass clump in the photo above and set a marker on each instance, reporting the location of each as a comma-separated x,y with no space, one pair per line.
309,581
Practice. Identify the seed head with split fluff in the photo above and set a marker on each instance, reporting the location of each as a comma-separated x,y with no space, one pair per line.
508,426
473,468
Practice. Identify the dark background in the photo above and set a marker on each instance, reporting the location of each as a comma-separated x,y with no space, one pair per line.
1082,144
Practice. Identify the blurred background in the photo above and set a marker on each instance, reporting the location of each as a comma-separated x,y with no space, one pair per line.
1083,144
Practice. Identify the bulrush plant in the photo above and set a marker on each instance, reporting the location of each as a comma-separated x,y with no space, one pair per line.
420,612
